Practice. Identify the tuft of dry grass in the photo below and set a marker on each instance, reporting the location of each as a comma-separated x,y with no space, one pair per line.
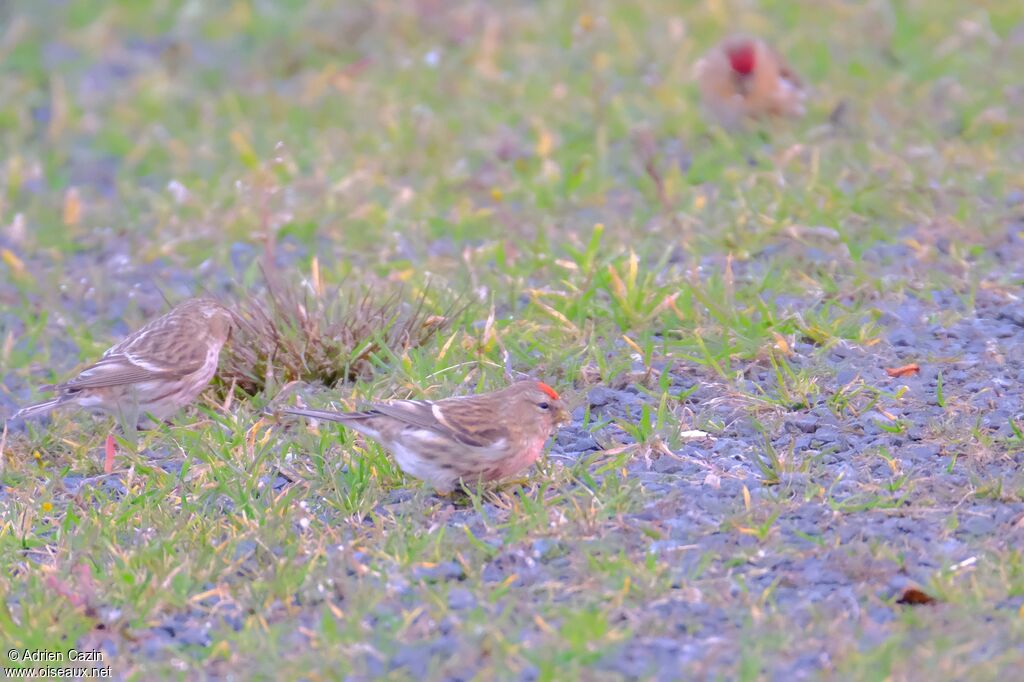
288,331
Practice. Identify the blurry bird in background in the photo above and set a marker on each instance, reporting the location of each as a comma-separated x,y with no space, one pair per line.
743,78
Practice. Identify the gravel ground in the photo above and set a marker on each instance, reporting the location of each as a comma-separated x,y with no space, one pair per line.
835,496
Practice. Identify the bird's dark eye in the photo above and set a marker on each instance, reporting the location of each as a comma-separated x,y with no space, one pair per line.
543,406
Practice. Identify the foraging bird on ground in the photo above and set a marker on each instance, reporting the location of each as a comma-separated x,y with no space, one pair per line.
474,438
743,78
154,372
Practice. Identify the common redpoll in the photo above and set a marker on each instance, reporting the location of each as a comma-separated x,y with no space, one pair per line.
742,77
156,371
474,438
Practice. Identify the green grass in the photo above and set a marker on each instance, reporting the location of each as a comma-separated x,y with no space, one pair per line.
546,166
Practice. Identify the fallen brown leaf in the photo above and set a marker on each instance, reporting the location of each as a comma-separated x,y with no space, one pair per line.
915,597
905,370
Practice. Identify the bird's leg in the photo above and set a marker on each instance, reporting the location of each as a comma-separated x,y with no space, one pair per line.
109,452
130,429
129,418
126,417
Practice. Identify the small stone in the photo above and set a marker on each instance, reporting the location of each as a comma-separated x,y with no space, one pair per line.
599,396
155,642
542,547
806,423
870,421
921,452
460,599
827,434
978,525
902,338
446,570
915,432
667,465
194,636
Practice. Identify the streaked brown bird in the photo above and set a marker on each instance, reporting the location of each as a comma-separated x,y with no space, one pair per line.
154,372
484,437
743,78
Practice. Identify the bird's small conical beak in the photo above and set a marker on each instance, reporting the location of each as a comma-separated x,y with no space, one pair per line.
562,416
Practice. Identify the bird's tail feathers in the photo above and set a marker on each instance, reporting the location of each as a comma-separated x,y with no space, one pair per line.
340,417
37,410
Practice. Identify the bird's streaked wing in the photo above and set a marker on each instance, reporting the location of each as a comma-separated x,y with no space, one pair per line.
120,370
459,419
